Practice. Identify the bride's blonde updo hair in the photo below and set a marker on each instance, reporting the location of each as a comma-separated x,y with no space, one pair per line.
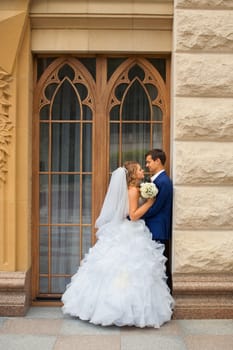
131,178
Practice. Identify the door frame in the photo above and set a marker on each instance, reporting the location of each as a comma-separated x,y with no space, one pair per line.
100,159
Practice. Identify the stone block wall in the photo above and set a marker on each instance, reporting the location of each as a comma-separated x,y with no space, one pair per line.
203,158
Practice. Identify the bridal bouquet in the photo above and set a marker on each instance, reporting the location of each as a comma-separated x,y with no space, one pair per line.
148,190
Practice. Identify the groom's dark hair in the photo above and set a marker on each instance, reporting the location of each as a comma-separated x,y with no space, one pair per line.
156,153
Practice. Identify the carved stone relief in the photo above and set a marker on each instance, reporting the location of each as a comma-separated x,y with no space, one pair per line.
6,125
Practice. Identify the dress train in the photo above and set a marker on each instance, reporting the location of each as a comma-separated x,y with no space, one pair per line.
122,280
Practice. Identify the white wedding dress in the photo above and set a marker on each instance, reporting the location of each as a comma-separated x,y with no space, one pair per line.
122,280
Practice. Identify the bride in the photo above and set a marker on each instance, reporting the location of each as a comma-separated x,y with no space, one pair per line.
122,280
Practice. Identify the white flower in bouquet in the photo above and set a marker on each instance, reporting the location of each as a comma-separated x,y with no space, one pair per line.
148,190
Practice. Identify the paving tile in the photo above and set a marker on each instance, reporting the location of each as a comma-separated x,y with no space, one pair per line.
74,326
31,326
207,326
27,342
84,342
209,342
47,328
44,312
152,342
2,320
170,328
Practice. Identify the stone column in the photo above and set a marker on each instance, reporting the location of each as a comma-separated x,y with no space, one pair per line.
203,158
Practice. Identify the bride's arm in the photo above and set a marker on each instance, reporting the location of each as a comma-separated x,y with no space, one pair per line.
135,212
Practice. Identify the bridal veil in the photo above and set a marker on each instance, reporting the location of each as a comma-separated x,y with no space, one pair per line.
115,206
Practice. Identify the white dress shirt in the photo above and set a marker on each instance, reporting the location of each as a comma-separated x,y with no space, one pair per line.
156,175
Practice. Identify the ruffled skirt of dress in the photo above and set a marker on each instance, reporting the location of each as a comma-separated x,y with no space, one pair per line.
122,280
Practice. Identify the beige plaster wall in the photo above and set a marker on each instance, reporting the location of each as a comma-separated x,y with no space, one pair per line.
203,136
101,26
15,138
23,153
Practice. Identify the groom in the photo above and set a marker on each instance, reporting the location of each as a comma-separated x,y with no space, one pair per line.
159,217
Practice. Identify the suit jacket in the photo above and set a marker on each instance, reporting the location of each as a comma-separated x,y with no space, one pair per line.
159,217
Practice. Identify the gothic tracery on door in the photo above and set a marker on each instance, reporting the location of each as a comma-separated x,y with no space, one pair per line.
90,115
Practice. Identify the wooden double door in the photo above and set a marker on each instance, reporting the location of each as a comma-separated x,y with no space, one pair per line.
90,115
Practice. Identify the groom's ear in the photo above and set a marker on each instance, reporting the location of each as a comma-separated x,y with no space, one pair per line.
158,160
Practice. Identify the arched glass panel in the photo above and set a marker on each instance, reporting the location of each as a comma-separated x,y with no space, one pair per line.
44,147
135,141
160,65
44,244
86,150
137,115
157,114
65,240
65,147
82,91
65,198
42,64
66,105
44,112
66,72
136,105
120,90
115,113
90,64
114,146
113,64
152,91
44,199
87,113
86,201
49,91
65,173
136,72
157,135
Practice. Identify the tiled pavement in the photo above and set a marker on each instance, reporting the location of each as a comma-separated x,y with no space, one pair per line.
46,328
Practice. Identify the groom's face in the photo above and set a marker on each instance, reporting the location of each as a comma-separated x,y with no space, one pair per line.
151,164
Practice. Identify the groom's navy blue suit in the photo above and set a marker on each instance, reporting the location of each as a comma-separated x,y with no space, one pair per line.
159,217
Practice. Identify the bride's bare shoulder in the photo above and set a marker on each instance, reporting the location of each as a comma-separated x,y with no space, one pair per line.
133,190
